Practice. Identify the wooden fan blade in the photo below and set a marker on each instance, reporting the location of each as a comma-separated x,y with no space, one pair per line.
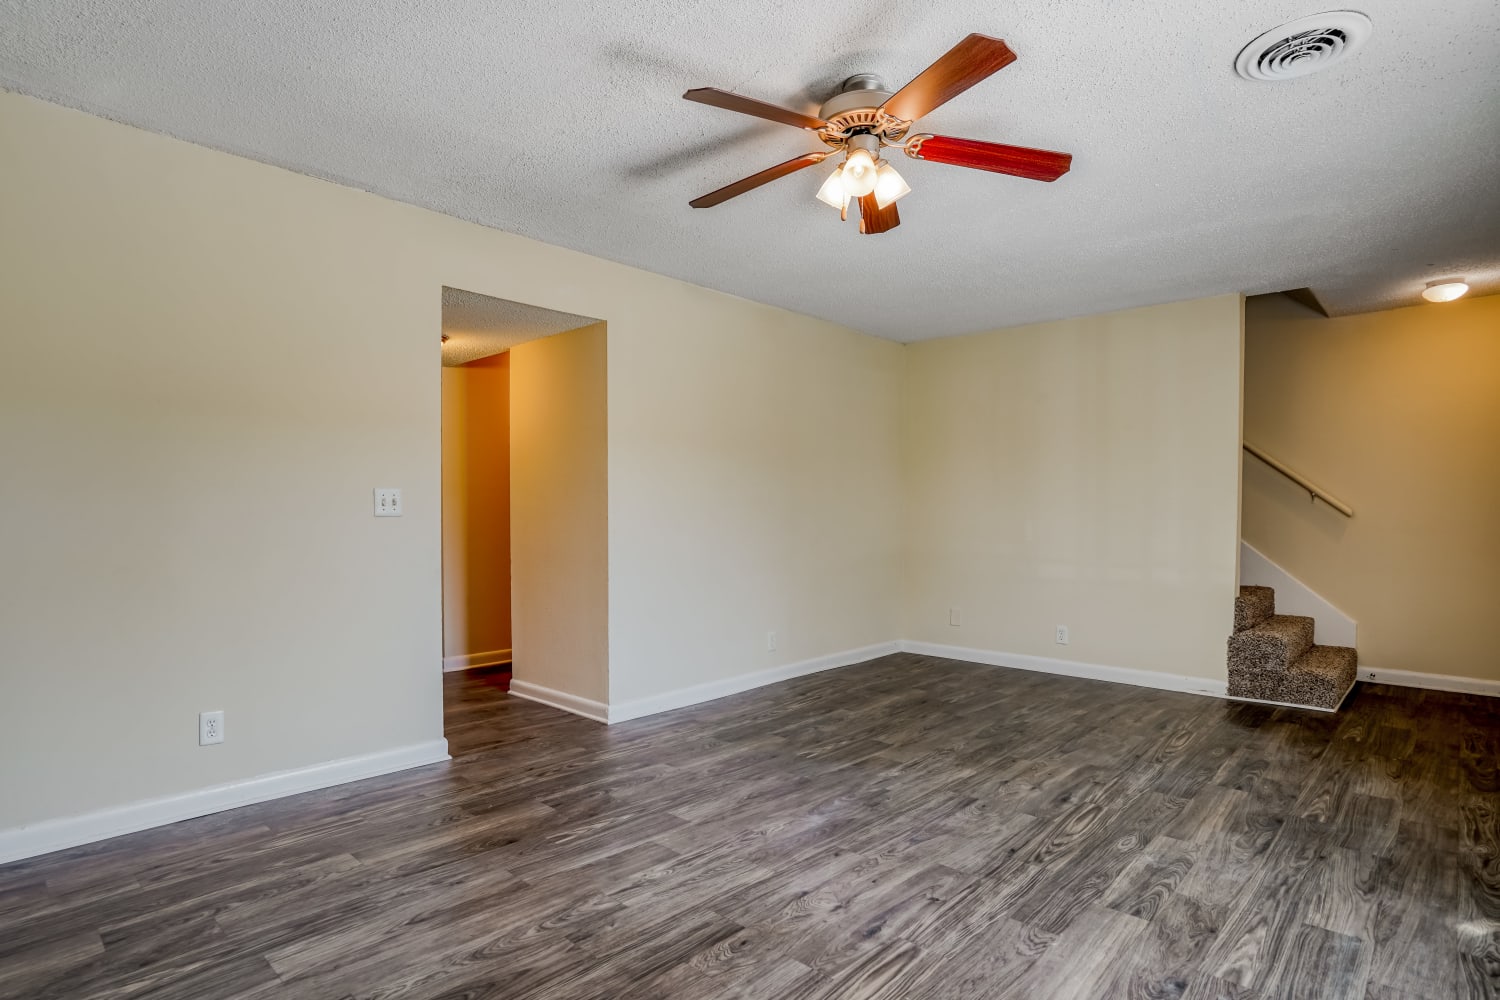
874,219
750,106
754,181
1018,161
962,66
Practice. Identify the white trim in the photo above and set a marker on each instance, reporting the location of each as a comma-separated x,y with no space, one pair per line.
713,690
56,834
469,661
1071,668
586,707
1431,682
1288,704
1331,627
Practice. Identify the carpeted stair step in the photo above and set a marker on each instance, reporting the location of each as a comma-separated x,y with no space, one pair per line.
1253,606
1321,677
1269,649
1272,657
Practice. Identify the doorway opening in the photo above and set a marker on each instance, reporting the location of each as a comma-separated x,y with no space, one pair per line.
517,552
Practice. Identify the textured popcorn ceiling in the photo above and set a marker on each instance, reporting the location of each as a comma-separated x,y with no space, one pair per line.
478,326
563,121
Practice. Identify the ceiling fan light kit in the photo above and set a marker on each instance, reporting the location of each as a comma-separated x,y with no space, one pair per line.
858,172
833,193
890,187
864,117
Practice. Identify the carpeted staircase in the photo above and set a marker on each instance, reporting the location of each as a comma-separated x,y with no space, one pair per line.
1272,657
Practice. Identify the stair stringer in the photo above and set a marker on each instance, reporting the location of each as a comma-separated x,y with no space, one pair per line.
1331,627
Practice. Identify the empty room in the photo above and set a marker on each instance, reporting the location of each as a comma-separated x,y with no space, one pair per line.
870,501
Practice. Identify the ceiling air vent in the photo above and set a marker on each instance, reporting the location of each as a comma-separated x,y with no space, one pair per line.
1304,46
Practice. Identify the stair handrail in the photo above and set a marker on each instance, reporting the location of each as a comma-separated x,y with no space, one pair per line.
1315,492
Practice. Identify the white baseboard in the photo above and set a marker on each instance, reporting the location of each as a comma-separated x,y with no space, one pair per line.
1432,682
1306,708
586,707
713,690
469,661
1072,668
57,834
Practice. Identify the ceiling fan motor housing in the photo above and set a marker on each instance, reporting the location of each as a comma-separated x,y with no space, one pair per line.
855,111
862,92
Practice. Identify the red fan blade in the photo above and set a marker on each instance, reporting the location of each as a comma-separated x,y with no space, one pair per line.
1018,161
750,106
874,219
962,66
754,181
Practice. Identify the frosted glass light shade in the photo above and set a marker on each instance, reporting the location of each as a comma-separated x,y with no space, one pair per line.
890,187
859,173
832,192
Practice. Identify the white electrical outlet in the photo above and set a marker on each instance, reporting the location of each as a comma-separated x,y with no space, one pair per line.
955,617
210,728
387,503
770,642
1062,635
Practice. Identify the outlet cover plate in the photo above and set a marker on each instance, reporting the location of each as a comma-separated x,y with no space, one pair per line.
210,728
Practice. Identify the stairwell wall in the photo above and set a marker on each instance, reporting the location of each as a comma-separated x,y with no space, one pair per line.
1397,412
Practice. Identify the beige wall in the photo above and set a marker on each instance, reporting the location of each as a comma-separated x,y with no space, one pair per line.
1081,473
206,366
208,363
1398,413
476,511
755,486
560,512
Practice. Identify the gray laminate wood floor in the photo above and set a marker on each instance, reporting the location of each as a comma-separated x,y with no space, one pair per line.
908,828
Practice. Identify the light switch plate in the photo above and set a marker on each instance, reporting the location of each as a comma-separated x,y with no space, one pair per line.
387,503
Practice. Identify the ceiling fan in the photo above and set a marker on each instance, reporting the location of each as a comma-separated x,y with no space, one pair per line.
864,117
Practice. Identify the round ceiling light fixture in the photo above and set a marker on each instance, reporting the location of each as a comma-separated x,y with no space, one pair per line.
1445,291
1304,46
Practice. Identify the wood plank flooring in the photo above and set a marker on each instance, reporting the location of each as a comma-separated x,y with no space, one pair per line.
910,828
